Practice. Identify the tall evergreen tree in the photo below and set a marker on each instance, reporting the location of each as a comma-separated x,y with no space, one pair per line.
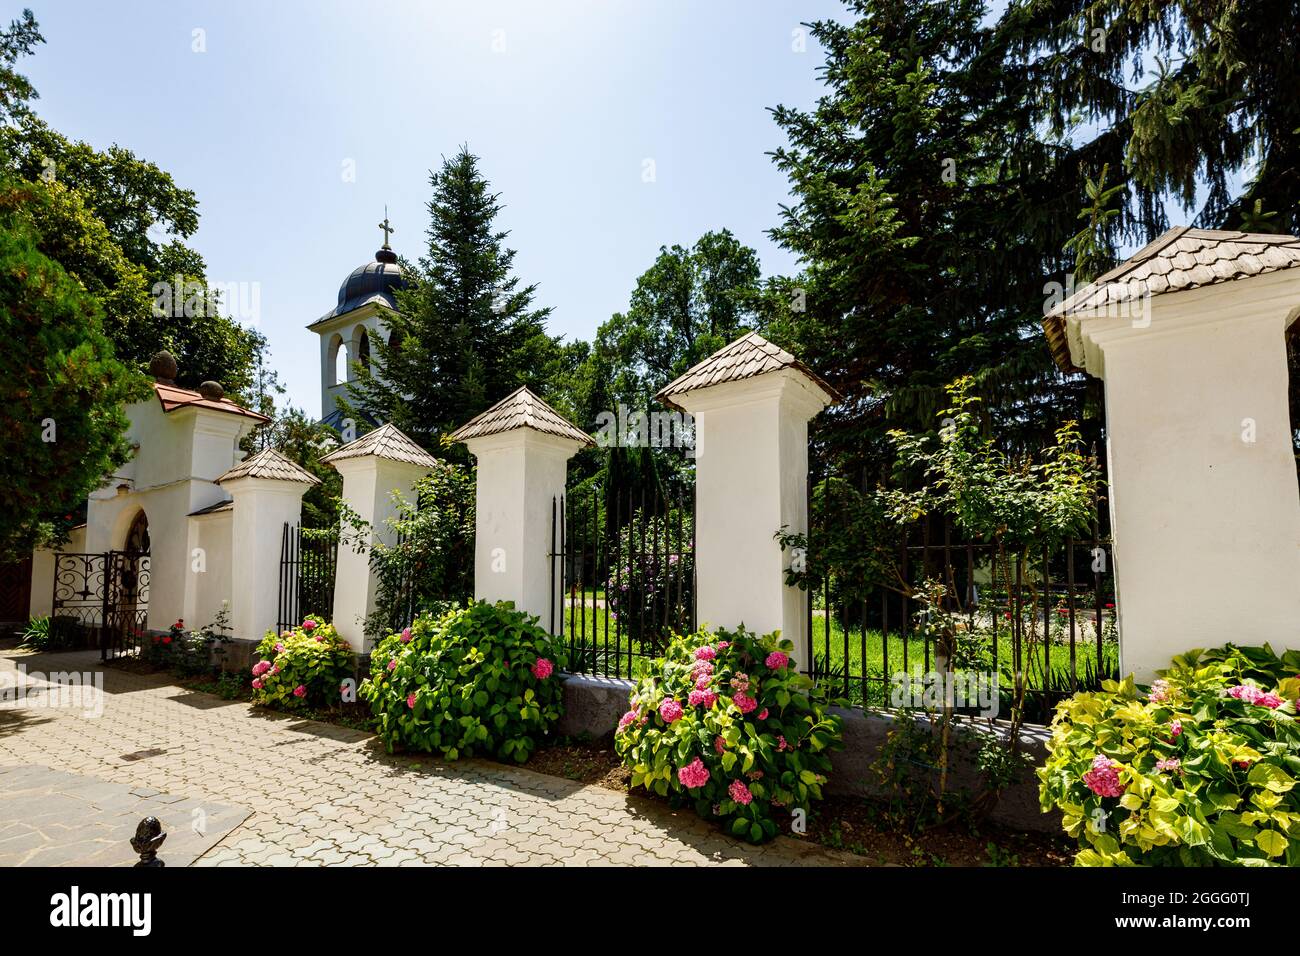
961,162
466,333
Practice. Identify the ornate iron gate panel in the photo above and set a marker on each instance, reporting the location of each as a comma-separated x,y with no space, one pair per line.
126,607
105,596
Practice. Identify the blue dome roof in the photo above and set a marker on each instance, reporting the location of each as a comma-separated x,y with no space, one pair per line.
370,282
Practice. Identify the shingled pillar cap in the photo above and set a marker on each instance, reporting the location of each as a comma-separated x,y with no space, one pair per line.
749,356
521,409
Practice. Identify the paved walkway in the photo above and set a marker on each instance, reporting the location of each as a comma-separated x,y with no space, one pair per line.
318,794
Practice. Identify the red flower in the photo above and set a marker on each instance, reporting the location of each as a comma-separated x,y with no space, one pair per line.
167,640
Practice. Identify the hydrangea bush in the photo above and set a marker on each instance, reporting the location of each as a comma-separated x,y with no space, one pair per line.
478,679
302,667
1197,770
725,723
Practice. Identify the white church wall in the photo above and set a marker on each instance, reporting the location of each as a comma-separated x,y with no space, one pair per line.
212,536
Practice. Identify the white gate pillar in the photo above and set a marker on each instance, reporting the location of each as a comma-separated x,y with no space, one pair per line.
523,447
1204,503
751,402
267,490
374,466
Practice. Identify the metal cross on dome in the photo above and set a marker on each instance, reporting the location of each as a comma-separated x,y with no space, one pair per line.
387,228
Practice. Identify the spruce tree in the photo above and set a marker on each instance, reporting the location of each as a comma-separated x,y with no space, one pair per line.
466,333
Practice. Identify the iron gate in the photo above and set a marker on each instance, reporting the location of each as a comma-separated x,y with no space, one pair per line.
105,597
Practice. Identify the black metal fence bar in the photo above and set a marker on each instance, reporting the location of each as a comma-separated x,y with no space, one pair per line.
624,562
1021,619
308,568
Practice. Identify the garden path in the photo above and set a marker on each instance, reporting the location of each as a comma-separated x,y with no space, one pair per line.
318,794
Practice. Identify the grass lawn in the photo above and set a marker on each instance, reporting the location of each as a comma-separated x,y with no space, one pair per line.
615,655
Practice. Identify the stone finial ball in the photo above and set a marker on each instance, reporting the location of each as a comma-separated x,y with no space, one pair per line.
163,366
212,391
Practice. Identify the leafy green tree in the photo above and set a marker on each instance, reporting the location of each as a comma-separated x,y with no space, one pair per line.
62,390
938,185
466,333
685,307
16,91
118,224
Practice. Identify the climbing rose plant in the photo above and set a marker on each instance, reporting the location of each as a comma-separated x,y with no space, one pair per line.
302,667
478,679
1196,770
726,724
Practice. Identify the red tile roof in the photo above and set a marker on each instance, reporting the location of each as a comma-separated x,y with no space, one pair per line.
172,397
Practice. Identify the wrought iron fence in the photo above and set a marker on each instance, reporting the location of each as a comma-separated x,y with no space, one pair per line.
1045,620
308,567
622,576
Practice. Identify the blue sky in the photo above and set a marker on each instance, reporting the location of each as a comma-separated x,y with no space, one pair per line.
563,101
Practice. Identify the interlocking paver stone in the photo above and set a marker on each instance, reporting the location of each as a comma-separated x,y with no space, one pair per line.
319,794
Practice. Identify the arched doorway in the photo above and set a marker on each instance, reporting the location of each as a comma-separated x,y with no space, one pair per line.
137,536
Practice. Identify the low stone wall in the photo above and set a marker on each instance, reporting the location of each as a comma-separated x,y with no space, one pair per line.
593,705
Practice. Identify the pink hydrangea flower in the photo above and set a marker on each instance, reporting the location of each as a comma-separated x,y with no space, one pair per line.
694,774
723,645
257,684
261,667
410,700
740,682
702,684
703,698
705,653
1255,695
406,635
776,660
743,703
279,648
1103,778
309,625
719,745
702,670
1171,764
542,668
275,669
780,742
1159,692
300,691
740,793
392,665
670,710
762,714
1175,729
626,719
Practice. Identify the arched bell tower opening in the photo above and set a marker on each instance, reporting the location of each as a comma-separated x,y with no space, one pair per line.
365,300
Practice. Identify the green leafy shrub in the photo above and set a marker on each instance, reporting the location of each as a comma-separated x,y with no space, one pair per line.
724,723
1196,771
302,667
477,679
